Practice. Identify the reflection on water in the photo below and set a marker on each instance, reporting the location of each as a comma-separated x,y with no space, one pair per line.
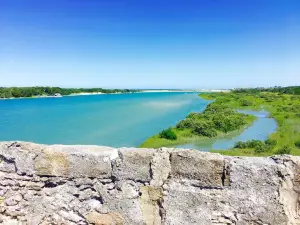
260,130
167,104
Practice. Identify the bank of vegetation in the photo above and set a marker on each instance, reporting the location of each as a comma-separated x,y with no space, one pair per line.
27,92
283,103
215,121
220,118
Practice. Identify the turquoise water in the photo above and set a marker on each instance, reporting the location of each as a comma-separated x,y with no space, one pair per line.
113,120
259,130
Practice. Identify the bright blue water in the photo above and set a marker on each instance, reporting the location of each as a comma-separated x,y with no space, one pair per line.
112,120
259,130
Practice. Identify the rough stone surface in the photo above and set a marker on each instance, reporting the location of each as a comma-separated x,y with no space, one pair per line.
57,184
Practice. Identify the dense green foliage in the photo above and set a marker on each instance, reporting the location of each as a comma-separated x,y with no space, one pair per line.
17,92
215,118
297,144
284,150
245,102
294,90
257,145
168,134
220,118
284,108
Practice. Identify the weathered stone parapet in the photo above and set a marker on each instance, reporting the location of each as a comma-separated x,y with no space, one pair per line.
56,184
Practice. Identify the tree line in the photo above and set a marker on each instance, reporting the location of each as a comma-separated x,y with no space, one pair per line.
18,92
295,90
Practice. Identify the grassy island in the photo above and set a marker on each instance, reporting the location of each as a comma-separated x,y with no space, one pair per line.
27,92
220,118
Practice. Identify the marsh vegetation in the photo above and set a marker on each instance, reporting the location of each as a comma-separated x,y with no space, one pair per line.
221,117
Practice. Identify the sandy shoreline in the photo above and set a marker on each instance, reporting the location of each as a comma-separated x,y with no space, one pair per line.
158,91
85,93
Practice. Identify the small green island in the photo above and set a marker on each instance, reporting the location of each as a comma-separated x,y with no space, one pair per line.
30,92
221,118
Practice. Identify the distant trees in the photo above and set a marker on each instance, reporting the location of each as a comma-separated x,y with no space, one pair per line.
295,90
17,92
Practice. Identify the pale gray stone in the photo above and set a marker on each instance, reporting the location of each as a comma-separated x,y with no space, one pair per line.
160,167
206,169
13,200
71,216
57,184
134,164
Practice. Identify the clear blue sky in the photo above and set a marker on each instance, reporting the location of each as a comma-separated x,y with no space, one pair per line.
150,44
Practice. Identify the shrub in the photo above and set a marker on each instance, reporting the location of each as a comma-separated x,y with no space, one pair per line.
168,134
187,123
218,108
270,142
240,144
254,143
210,132
297,144
245,102
205,128
193,115
226,123
257,145
261,147
297,115
284,150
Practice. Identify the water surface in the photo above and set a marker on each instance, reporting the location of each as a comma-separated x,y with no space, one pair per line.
113,120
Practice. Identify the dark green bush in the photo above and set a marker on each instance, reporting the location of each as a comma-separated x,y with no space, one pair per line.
186,123
297,144
218,108
257,145
261,147
205,128
245,102
193,115
216,117
284,150
297,115
270,142
240,144
168,134
226,123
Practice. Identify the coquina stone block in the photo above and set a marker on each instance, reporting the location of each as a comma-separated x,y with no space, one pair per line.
56,184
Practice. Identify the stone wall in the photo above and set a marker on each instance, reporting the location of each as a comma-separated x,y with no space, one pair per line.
57,184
